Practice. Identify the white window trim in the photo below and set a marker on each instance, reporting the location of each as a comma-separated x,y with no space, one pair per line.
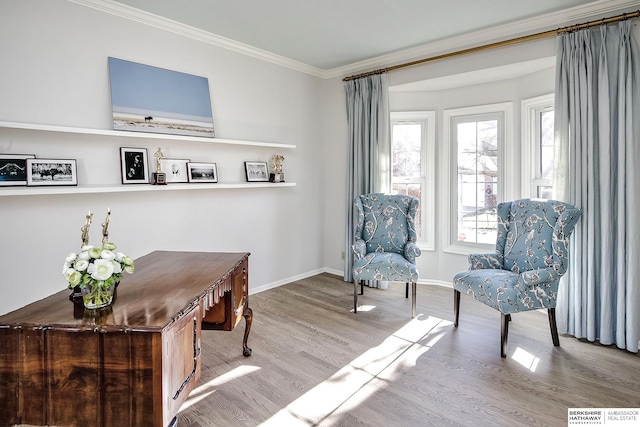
428,153
507,155
529,111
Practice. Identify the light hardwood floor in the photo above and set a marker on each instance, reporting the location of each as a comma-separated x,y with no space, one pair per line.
316,363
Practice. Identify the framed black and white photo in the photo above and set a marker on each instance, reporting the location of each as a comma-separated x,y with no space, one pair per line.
175,169
256,171
51,172
13,169
134,166
202,172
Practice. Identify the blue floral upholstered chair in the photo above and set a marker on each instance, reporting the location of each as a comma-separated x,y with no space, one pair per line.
385,242
531,255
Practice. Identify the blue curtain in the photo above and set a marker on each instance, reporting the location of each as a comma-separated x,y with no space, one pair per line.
597,138
369,147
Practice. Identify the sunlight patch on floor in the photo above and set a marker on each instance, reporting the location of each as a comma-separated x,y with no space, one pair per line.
365,375
209,387
365,308
526,359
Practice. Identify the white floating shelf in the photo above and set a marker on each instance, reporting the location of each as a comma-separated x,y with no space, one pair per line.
126,188
142,135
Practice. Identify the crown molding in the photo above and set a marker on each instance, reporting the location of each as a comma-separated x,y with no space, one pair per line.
146,18
601,8
595,10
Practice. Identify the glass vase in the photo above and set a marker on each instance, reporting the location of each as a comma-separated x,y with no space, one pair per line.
95,297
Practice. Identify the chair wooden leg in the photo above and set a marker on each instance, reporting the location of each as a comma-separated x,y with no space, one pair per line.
361,287
554,328
406,290
456,307
355,296
413,298
506,318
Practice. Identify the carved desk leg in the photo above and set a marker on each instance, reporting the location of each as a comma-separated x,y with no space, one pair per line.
248,318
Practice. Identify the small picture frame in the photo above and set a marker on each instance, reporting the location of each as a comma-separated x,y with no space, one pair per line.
202,172
13,169
134,166
51,172
256,171
175,169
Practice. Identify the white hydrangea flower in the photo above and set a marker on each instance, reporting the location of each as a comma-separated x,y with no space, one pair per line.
82,265
102,269
74,278
117,267
95,253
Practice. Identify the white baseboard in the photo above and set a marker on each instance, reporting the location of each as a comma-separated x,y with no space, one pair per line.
267,286
258,289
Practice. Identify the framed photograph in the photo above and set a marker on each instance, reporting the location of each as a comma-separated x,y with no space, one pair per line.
151,99
256,171
175,169
51,172
13,169
134,166
202,172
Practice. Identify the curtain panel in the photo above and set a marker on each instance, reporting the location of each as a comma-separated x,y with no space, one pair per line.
597,161
369,161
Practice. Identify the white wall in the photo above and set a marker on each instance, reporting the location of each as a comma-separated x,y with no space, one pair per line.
335,174
54,71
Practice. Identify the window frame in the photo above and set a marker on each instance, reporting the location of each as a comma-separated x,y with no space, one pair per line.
427,179
531,138
506,156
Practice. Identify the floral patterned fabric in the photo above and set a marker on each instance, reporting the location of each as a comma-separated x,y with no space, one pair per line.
531,256
385,236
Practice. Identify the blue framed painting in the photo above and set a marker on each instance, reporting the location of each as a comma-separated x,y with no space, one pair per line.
145,98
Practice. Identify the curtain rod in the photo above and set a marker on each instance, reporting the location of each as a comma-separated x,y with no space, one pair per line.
498,44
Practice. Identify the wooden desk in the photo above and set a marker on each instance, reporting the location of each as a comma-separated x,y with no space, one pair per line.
131,364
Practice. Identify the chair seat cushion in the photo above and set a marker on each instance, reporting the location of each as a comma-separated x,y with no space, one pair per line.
388,266
501,289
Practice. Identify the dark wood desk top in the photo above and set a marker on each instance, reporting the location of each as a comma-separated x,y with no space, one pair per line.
163,286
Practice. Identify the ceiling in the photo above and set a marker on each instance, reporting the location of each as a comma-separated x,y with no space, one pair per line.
330,38
328,34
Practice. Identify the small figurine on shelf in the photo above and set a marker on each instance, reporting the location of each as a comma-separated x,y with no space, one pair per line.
159,177
276,168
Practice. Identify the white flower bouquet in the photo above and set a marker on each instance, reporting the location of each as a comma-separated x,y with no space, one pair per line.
96,270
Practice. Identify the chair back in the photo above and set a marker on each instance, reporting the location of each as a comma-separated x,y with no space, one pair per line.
386,222
534,233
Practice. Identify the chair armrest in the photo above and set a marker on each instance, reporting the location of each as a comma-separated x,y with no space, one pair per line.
481,261
411,252
359,249
539,275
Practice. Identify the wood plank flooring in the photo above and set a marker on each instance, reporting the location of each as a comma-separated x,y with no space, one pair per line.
315,363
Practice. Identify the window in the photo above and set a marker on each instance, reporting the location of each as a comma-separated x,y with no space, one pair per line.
476,146
537,136
413,167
